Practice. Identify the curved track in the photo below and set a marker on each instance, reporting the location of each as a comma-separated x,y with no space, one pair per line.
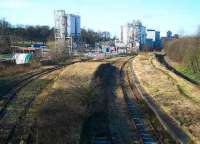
8,132
132,96
134,109
168,124
142,132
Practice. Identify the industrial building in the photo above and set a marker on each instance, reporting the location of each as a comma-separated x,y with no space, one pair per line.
153,40
73,26
66,25
169,35
151,34
67,30
126,33
104,35
133,35
139,32
60,28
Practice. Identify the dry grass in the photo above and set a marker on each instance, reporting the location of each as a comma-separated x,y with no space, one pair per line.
61,116
12,69
179,98
57,114
33,89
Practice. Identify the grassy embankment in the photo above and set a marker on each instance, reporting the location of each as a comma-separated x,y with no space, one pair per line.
177,97
184,55
184,70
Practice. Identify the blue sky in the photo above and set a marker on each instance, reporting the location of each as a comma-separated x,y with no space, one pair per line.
180,16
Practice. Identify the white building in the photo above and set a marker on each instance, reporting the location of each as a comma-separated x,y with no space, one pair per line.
151,34
126,33
133,33
60,24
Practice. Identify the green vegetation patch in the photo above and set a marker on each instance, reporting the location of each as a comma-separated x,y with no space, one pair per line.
188,72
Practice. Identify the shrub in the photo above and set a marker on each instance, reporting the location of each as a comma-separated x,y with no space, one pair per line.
185,51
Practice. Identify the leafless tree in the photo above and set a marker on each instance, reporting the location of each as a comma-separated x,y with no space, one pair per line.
4,36
185,51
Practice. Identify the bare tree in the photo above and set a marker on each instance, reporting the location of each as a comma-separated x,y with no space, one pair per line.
185,51
4,36
198,36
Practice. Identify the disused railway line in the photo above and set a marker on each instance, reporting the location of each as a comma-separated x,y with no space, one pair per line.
133,108
12,93
111,136
7,133
145,133
175,132
109,125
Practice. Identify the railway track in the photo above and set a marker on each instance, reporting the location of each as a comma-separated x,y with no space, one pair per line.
6,99
8,128
112,134
156,128
109,131
134,109
175,132
109,122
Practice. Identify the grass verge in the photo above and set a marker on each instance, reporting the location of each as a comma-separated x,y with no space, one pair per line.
177,97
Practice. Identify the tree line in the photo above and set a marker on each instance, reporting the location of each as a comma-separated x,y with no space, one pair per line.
91,37
12,35
185,51
4,36
32,33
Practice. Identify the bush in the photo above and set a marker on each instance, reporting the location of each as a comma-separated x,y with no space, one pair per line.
185,51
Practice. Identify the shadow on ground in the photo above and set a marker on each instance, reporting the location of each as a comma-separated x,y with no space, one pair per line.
96,126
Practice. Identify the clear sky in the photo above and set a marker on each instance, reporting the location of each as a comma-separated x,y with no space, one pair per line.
180,16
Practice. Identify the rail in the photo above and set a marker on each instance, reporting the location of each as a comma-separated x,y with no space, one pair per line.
134,111
10,132
168,123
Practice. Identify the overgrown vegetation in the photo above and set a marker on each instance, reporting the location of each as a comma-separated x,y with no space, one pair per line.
178,98
22,35
25,35
90,37
64,110
186,52
4,36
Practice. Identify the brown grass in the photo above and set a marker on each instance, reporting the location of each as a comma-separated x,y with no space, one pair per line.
61,116
10,70
60,107
179,98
